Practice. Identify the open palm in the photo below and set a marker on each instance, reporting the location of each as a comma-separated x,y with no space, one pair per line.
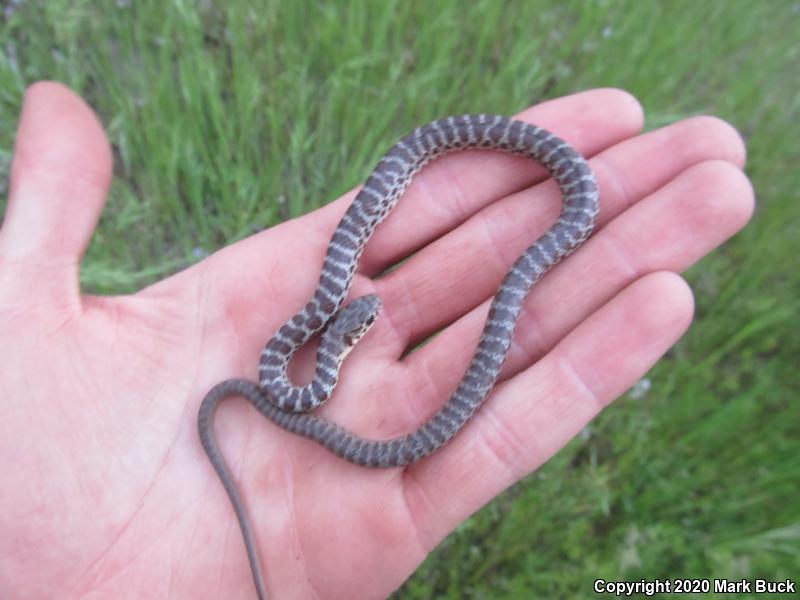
106,491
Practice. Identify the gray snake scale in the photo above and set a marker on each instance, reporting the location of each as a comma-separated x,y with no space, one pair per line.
283,403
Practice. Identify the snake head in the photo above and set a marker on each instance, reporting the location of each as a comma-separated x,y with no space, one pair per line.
355,319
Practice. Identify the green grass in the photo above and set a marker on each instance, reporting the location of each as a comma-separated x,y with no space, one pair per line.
228,120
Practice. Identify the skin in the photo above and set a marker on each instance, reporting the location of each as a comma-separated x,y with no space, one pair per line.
106,491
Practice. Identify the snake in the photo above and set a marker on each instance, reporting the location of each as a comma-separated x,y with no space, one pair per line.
287,405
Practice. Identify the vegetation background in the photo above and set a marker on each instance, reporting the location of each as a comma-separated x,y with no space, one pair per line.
228,117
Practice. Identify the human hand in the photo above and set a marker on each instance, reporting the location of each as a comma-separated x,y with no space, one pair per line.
107,492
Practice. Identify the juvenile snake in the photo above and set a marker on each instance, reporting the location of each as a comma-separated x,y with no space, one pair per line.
282,402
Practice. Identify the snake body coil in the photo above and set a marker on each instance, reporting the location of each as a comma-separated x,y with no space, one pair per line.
281,402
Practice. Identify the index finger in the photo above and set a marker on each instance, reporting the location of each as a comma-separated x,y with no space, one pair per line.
452,188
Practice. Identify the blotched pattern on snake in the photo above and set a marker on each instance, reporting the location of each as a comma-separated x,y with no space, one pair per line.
284,403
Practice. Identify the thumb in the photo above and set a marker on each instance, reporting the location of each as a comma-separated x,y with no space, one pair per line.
59,179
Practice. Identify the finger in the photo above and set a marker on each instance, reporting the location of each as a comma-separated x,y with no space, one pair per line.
462,269
450,190
530,417
669,230
59,178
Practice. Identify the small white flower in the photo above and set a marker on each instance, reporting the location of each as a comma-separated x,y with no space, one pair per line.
640,389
